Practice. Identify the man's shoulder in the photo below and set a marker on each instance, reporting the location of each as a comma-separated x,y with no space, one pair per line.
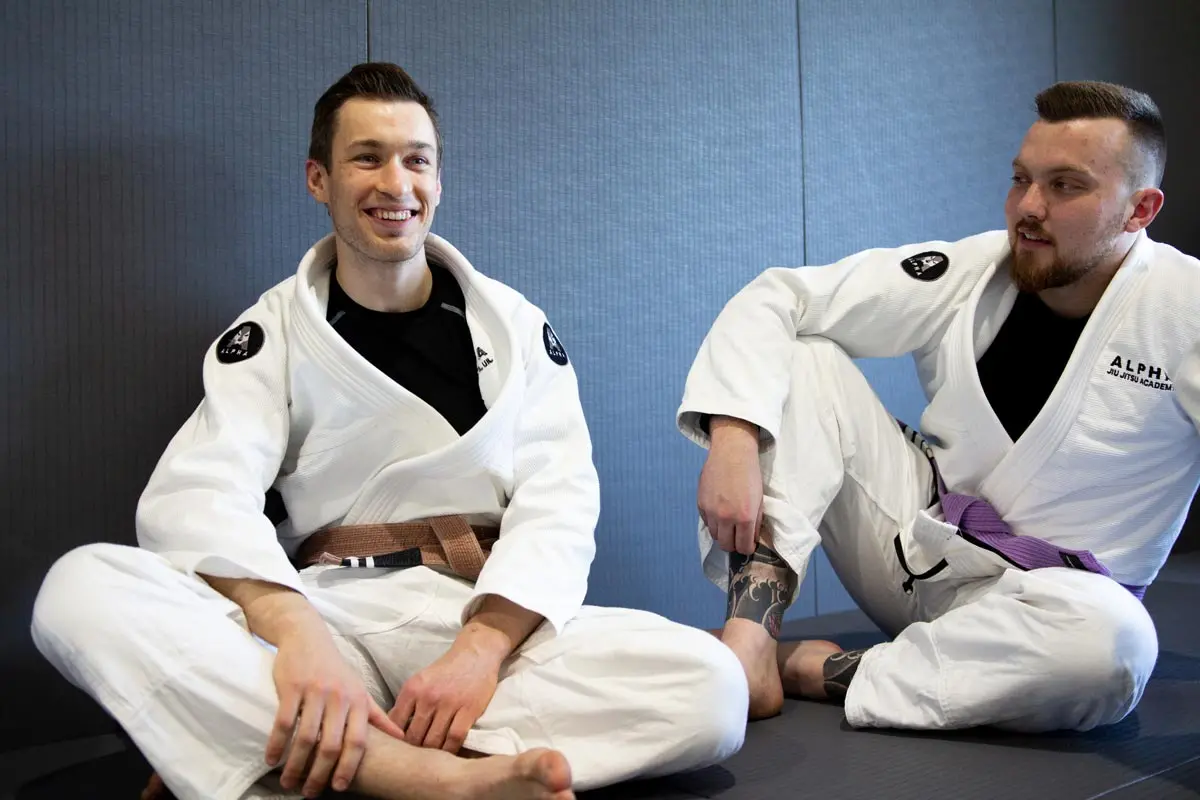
1173,283
940,261
275,300
499,294
980,248
1172,262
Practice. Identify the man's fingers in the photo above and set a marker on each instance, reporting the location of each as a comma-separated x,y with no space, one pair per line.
438,728
353,746
304,739
459,729
745,538
402,711
281,731
328,747
379,718
419,726
725,535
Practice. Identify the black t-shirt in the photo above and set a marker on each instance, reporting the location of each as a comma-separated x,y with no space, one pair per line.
428,351
1022,365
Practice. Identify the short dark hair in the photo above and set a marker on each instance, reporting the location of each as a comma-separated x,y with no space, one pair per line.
1070,100
375,80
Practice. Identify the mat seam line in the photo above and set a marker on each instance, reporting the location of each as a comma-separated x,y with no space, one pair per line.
1144,778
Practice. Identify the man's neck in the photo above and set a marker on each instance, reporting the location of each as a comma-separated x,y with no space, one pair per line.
1081,297
383,286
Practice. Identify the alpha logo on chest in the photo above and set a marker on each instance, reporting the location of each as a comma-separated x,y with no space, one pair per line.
482,359
1136,372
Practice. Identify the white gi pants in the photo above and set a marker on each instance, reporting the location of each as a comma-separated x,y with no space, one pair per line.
980,643
620,693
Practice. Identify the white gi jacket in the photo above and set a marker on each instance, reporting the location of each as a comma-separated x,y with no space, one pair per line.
1111,462
287,402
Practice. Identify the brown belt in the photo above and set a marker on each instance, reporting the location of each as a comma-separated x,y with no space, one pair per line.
434,542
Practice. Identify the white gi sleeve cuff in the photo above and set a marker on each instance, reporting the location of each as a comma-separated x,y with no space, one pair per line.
557,614
693,423
197,564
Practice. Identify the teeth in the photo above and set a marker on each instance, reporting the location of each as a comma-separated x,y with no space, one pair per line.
399,216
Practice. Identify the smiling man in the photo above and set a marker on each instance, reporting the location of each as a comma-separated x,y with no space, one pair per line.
422,595
1005,546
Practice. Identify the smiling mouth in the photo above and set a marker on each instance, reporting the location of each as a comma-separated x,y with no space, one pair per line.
1033,238
391,216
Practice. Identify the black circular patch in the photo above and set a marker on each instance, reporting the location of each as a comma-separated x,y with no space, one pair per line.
240,343
926,266
554,348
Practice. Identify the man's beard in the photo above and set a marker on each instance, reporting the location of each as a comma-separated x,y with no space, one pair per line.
1030,277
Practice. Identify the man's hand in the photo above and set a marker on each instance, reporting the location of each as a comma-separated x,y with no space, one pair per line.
730,494
439,704
324,708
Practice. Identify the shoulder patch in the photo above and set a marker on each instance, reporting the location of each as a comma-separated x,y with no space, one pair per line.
927,266
554,348
240,343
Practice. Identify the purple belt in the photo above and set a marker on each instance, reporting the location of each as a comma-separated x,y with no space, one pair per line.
979,523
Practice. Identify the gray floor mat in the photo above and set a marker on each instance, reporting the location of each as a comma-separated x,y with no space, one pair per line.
1175,784
809,751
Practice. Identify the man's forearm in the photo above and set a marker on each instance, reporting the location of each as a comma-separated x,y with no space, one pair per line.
272,611
725,430
497,628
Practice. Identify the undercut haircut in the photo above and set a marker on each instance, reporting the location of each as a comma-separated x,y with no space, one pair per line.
1070,100
374,80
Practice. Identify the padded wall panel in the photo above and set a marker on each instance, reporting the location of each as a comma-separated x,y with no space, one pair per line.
154,162
628,166
913,111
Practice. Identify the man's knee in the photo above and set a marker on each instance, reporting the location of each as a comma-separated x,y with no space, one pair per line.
719,698
1103,665
76,598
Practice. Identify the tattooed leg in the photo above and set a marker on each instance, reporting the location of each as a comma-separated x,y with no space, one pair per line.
760,588
838,671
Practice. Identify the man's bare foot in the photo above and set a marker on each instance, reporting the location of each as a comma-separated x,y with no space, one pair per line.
801,667
534,775
156,789
755,648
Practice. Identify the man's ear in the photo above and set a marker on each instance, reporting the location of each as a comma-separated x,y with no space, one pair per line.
316,177
1146,205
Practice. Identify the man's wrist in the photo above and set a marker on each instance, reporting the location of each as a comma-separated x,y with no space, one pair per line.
485,642
497,628
273,612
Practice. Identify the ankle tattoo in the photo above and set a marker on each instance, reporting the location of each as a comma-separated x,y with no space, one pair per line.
760,588
838,670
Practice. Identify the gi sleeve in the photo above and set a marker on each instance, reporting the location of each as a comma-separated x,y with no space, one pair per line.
876,303
203,506
547,535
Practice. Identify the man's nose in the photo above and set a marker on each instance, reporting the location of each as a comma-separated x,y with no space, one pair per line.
1033,203
394,179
